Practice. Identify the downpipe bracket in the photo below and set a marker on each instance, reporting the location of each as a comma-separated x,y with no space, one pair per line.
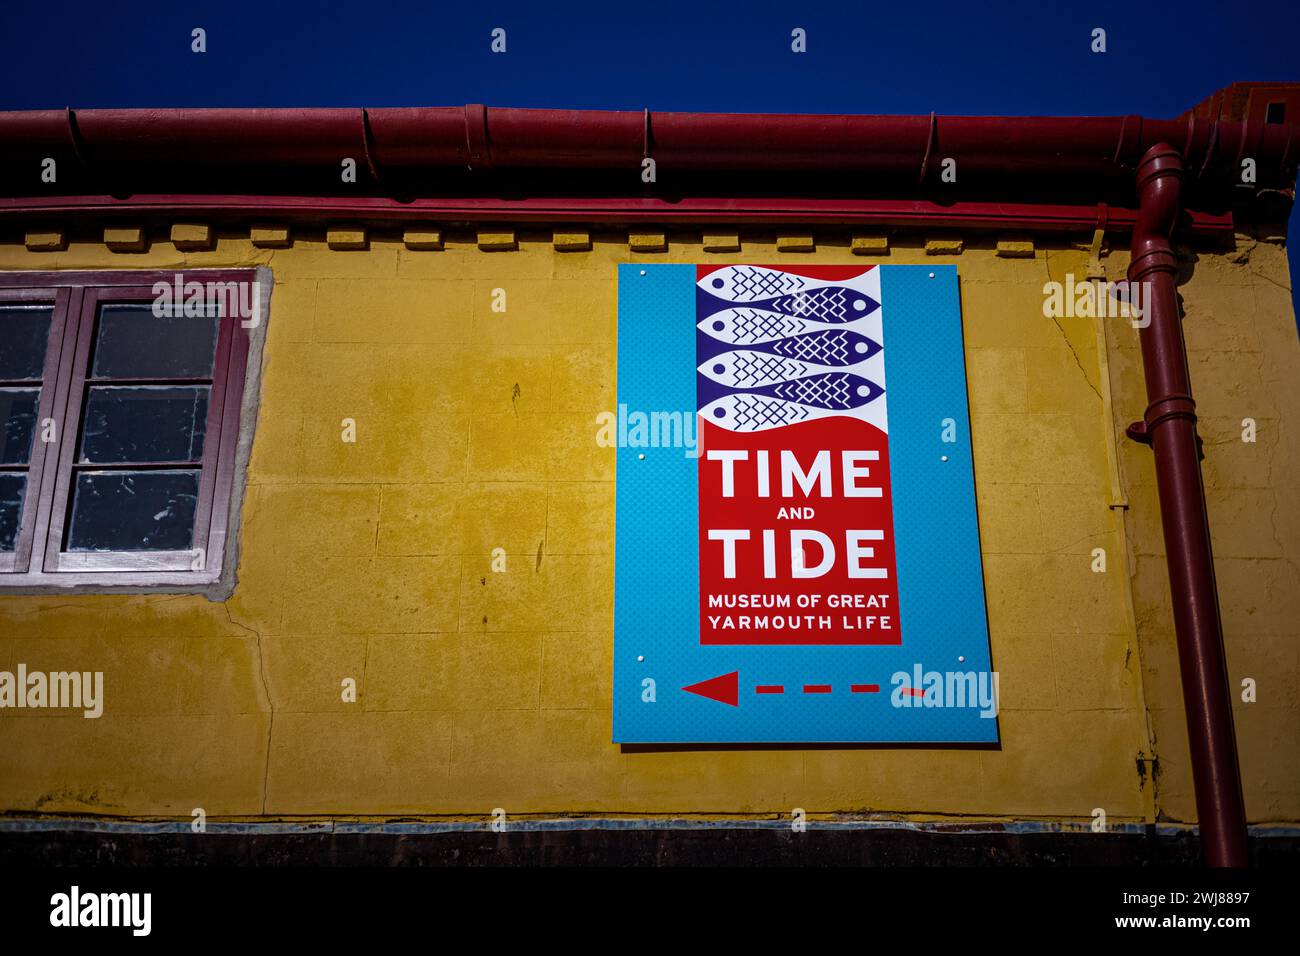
1140,433
1137,431
1169,408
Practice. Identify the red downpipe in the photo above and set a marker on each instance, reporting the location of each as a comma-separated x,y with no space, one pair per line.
1169,426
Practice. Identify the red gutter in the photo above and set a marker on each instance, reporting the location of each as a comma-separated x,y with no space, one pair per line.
428,138
1169,426
1032,217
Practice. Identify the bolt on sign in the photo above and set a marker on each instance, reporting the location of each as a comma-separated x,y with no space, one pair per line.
797,556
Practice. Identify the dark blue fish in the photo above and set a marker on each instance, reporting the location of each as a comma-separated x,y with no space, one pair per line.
831,304
833,347
834,391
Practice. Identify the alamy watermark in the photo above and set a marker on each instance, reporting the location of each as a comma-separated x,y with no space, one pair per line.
658,429
1098,298
75,908
922,688
194,299
78,690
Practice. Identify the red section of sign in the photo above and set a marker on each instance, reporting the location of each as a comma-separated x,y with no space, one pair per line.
825,273
847,590
770,689
865,688
725,689
816,688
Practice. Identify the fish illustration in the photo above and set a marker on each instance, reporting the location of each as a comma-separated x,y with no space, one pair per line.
833,347
745,369
747,283
746,326
832,304
779,348
836,391
754,283
750,412
749,369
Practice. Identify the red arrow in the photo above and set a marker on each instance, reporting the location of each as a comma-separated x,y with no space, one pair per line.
725,688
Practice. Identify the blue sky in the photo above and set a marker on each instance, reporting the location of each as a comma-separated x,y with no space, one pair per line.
909,57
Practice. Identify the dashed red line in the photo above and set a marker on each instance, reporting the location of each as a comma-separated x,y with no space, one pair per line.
825,689
914,691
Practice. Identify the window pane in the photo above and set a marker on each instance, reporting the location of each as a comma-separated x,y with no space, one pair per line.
133,511
18,416
11,508
24,332
132,342
144,423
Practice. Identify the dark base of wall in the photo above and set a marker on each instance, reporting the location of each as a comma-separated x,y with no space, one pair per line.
623,847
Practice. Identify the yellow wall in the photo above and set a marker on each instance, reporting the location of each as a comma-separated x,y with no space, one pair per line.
476,430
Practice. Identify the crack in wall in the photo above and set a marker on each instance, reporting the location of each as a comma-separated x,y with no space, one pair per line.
1075,355
1068,344
266,689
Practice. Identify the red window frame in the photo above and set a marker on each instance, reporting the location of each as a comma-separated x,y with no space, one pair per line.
38,559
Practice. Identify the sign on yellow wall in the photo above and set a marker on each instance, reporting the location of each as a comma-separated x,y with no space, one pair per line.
797,550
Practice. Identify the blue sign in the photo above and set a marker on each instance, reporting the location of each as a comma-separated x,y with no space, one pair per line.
797,551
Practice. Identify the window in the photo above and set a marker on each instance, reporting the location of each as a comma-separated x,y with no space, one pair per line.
120,398
1275,113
